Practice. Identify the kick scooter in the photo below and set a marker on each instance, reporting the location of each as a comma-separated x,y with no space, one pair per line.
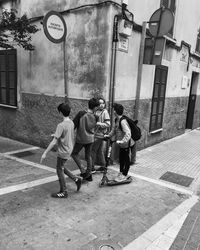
105,181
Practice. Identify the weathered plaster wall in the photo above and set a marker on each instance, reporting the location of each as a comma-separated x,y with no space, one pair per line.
177,69
187,22
34,8
42,70
87,57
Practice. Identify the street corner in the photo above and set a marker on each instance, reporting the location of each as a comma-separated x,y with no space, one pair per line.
92,216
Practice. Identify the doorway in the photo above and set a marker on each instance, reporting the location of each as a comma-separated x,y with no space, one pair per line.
192,100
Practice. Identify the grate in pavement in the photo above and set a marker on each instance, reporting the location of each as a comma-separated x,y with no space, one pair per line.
177,179
23,154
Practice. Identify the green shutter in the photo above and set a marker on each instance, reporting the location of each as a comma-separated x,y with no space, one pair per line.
8,77
158,99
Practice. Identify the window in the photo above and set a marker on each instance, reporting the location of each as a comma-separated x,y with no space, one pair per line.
170,4
198,43
158,99
8,77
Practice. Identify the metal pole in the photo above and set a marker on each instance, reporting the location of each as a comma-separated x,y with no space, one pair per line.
65,77
139,80
113,67
158,31
140,67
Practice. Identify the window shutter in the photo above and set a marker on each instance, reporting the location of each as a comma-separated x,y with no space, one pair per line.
158,99
198,43
8,77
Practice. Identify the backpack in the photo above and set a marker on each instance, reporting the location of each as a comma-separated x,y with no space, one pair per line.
77,118
135,130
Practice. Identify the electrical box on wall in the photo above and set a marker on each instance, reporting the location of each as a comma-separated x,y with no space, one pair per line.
125,27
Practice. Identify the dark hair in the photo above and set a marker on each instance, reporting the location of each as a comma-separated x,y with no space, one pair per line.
101,98
64,108
118,108
93,103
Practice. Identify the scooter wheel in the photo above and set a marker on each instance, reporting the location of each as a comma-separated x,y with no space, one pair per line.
102,183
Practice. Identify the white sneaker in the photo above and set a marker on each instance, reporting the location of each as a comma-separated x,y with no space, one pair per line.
123,178
120,177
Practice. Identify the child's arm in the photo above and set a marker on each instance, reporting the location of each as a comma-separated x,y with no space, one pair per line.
49,148
127,132
105,120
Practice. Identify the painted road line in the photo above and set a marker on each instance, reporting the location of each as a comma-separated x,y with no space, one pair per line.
30,184
26,185
161,183
163,233
21,150
29,163
158,182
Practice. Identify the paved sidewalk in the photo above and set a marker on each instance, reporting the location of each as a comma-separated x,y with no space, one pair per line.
149,213
189,236
179,155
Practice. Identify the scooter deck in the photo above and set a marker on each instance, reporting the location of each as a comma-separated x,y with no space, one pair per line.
115,183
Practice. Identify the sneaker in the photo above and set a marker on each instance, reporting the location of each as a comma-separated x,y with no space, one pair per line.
120,177
78,183
89,178
83,175
60,195
119,174
93,170
100,169
123,177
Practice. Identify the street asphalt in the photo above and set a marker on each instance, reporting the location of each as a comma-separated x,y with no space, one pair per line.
158,210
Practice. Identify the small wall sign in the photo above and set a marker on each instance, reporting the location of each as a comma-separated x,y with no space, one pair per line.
55,27
123,44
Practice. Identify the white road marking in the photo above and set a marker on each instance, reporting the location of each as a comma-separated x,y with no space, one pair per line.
160,183
26,185
29,163
163,233
21,150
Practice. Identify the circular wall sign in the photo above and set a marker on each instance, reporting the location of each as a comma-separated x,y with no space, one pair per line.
161,22
55,27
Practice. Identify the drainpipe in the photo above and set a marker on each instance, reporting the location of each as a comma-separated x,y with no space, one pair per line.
65,76
113,67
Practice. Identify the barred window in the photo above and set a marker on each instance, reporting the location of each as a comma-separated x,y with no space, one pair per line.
8,77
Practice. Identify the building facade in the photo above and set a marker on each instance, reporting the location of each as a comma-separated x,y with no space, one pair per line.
97,59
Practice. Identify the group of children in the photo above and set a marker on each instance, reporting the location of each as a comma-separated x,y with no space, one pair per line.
88,130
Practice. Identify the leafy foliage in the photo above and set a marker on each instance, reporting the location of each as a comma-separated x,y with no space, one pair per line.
16,31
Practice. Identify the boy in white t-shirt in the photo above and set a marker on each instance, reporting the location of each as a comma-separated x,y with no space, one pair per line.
64,138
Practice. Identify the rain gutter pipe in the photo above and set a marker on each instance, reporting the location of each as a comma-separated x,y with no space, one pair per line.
113,67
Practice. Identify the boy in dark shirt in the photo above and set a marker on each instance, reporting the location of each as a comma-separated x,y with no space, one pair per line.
85,125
